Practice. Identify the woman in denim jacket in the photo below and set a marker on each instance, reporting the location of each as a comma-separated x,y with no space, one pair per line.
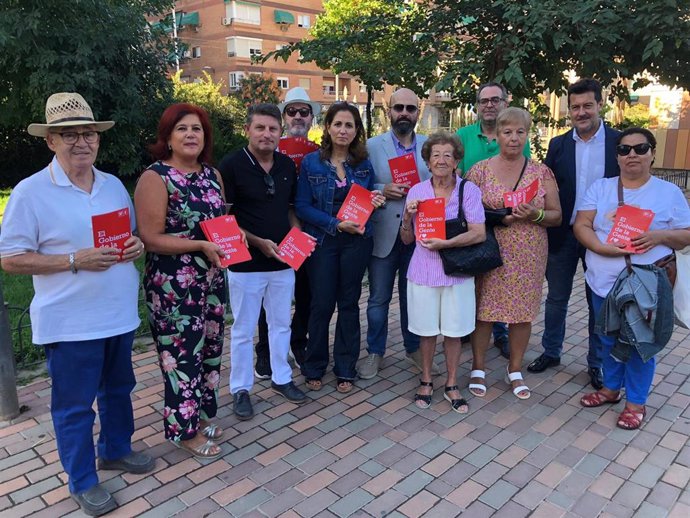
337,266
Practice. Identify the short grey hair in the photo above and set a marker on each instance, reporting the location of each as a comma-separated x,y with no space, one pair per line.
504,92
514,114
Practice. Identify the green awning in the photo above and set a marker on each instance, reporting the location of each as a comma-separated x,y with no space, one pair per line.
283,17
189,19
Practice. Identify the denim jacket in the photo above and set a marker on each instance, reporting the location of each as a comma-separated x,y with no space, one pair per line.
638,312
315,190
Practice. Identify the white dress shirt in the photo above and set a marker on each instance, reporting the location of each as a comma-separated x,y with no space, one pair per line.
590,158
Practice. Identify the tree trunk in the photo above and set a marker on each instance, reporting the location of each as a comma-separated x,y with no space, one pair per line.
370,98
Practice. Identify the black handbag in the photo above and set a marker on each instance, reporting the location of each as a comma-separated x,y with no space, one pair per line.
472,259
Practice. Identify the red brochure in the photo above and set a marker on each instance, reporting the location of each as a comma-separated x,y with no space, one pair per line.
112,229
431,219
357,206
404,169
296,148
296,247
225,232
524,195
629,223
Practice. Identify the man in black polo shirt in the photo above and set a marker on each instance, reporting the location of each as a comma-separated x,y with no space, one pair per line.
260,184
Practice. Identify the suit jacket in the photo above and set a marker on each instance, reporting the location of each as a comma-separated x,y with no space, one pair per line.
561,160
386,220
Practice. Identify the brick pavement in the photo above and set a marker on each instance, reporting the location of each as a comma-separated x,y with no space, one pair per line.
373,453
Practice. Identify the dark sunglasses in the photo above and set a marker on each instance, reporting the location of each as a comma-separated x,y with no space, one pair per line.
270,185
409,108
291,111
640,149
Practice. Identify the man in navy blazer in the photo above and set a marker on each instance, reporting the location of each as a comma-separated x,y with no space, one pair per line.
390,255
577,158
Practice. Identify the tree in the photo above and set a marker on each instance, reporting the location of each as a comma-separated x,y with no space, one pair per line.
227,114
259,88
104,50
373,40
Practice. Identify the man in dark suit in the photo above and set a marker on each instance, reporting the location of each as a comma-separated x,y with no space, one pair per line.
577,158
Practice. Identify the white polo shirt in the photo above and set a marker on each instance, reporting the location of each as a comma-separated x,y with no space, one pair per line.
49,215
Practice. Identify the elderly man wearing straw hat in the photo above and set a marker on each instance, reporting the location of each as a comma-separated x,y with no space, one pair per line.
84,311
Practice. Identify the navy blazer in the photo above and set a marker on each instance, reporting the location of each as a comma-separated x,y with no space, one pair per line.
561,160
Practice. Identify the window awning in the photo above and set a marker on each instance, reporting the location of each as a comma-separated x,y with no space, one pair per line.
189,19
283,17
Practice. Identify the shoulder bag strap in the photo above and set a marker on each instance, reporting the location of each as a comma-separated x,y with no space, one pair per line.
524,166
461,190
621,202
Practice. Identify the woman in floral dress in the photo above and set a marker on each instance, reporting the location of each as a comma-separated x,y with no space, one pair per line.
184,284
512,292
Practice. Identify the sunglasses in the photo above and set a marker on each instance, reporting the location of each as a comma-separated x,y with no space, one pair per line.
409,108
291,111
640,149
270,185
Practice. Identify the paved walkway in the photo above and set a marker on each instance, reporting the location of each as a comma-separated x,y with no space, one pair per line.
373,453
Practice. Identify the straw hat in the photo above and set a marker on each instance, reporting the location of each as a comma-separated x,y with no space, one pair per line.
66,109
299,95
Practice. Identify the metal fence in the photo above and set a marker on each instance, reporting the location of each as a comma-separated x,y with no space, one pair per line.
680,178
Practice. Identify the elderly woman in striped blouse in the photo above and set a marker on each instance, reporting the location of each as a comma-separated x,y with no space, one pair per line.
439,303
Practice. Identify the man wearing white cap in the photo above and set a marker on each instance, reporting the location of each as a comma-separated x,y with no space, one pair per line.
298,114
84,311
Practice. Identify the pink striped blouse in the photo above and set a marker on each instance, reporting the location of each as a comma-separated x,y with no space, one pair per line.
426,268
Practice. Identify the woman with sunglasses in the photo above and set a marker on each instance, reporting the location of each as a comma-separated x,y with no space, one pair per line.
337,266
669,230
183,281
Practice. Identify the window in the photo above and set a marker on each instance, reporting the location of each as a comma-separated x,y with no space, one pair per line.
244,47
329,87
234,79
196,52
283,82
243,12
281,46
305,82
303,20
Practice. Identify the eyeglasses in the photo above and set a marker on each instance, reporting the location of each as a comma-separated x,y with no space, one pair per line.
270,185
409,108
492,100
291,111
640,149
71,137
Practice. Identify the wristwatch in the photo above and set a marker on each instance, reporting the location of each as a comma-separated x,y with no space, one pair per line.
72,263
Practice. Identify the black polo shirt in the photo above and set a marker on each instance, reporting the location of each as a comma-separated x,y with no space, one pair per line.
256,210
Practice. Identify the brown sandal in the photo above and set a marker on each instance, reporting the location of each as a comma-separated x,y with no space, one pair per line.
313,384
344,386
598,398
631,419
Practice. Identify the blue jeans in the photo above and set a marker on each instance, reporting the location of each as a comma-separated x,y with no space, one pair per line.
381,279
81,372
500,330
560,272
635,375
336,269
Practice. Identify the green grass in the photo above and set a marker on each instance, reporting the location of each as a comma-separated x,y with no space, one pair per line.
4,198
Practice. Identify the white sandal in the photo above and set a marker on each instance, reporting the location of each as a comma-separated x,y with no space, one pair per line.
517,376
478,386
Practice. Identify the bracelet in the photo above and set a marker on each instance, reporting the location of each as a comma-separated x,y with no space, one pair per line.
404,228
540,217
72,263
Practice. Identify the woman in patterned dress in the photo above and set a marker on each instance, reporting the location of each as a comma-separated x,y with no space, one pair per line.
512,292
184,284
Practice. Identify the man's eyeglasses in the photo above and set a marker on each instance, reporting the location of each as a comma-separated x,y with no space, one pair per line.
640,149
409,108
492,100
71,137
291,111
270,185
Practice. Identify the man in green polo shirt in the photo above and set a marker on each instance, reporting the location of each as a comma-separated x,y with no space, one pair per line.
479,141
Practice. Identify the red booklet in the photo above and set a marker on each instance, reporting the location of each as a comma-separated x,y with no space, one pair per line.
296,148
225,232
524,195
296,247
357,206
404,169
431,219
112,229
629,223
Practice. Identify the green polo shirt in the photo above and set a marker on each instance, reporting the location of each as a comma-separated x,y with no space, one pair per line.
478,147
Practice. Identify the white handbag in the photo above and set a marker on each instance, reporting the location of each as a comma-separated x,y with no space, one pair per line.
681,291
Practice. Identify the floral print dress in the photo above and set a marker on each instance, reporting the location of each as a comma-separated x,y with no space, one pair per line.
512,292
186,299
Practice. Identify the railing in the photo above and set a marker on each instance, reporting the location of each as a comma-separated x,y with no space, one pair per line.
680,178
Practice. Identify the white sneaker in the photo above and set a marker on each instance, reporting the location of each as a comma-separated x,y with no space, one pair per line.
370,366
